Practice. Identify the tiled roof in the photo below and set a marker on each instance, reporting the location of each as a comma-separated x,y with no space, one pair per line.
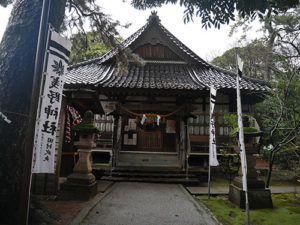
126,43
112,53
157,74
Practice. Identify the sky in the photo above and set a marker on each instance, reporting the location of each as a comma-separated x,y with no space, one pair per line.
205,43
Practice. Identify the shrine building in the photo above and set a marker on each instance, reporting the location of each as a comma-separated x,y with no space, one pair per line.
156,116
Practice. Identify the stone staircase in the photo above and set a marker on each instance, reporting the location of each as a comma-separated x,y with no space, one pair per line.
148,167
151,176
148,159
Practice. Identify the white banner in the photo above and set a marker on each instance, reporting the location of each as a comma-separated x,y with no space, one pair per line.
240,65
240,124
49,110
212,130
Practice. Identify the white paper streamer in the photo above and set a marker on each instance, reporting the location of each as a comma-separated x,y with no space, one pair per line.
143,119
5,118
158,119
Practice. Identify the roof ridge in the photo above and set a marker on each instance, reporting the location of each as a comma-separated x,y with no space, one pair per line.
153,18
112,51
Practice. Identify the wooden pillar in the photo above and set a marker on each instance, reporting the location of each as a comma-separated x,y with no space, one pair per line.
182,141
116,115
60,143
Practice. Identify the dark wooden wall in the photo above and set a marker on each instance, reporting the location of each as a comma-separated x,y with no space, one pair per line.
155,141
158,52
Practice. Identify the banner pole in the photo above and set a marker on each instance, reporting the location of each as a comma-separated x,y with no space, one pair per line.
38,70
208,195
209,154
242,143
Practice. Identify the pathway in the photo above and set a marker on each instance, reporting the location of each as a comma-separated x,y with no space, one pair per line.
147,204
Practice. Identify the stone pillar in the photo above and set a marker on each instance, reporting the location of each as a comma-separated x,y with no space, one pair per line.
81,184
259,197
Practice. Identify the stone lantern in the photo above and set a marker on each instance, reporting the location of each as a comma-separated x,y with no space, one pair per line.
81,184
258,196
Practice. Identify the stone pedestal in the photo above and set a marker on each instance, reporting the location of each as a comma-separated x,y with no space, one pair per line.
81,184
259,197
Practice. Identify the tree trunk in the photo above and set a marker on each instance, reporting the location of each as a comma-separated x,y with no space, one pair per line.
269,52
271,160
17,58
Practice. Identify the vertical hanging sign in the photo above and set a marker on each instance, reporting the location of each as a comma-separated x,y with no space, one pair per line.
58,53
240,64
212,135
212,130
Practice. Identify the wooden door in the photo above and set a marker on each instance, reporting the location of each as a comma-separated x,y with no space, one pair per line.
150,140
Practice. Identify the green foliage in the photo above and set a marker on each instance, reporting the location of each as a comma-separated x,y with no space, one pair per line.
215,13
280,112
274,57
287,158
86,127
229,162
86,47
279,116
253,55
230,120
247,130
286,211
102,29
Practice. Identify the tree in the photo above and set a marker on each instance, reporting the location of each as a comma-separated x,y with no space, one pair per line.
253,55
17,57
279,116
274,57
86,47
217,12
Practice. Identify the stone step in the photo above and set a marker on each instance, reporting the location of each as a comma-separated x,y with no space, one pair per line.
147,174
142,160
166,169
189,181
150,164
